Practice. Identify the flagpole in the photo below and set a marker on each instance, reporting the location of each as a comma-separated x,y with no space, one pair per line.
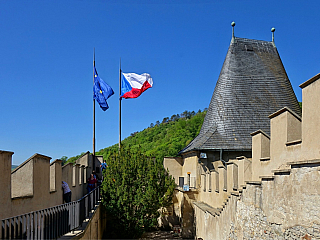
94,117
120,107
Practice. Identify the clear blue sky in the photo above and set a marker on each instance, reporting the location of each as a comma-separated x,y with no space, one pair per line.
47,53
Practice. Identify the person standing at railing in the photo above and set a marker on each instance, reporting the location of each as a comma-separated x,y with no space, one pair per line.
66,192
103,167
92,183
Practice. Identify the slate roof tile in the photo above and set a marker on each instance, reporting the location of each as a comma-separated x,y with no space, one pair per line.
252,85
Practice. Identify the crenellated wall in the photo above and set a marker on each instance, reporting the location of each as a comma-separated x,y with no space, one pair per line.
273,195
36,183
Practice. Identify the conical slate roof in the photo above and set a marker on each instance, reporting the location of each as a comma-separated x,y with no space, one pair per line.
252,85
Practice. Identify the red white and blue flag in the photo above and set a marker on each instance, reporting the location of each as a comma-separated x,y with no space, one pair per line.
133,84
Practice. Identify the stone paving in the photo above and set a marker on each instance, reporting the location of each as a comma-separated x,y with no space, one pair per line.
161,235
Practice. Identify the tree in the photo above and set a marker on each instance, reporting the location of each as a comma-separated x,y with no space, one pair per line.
64,160
165,120
151,125
174,118
134,188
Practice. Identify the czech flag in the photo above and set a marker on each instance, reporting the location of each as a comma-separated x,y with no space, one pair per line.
134,84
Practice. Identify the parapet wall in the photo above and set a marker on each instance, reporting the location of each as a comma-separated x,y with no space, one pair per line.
273,195
36,183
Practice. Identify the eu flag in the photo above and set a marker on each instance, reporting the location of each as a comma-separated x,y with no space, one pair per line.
101,91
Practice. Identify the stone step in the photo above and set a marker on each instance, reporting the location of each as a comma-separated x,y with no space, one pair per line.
207,208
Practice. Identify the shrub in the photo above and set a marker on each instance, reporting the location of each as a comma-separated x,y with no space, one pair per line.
134,188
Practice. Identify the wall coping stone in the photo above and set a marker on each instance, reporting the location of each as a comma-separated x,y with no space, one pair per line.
3,151
235,194
230,163
260,131
266,177
20,197
57,160
69,163
241,158
29,159
282,110
295,142
253,182
279,171
311,80
312,161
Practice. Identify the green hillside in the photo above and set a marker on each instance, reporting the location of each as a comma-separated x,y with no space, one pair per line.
163,139
160,139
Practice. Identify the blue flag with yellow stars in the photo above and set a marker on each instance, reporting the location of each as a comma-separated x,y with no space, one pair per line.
101,91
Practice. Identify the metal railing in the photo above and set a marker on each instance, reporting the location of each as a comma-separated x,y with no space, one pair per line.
50,223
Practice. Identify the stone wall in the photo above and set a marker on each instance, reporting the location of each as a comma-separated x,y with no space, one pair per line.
273,195
36,183
286,206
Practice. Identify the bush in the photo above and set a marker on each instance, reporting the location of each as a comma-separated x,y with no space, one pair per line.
134,188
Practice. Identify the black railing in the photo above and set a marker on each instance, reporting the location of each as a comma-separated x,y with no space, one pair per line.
50,223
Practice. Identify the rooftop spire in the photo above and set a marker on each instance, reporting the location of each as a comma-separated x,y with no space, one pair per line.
233,24
272,30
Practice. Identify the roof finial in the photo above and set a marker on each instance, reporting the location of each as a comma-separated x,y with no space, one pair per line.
233,24
272,30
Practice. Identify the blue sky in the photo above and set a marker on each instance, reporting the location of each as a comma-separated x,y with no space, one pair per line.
47,54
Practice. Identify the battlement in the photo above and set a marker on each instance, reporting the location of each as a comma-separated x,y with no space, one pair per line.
279,158
36,183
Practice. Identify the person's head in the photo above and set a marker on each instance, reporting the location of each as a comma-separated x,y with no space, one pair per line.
104,161
91,176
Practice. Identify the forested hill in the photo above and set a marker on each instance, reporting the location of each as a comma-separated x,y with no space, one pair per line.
160,139
164,138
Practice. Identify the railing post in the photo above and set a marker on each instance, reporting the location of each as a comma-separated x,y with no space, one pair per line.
28,226
1,229
11,229
50,224
42,225
35,225
24,226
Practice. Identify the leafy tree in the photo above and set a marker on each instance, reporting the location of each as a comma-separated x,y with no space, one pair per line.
165,120
151,125
134,188
64,160
173,117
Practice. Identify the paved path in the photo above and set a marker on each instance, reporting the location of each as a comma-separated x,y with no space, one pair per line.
160,235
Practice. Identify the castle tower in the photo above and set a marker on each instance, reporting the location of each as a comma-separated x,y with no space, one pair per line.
252,85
